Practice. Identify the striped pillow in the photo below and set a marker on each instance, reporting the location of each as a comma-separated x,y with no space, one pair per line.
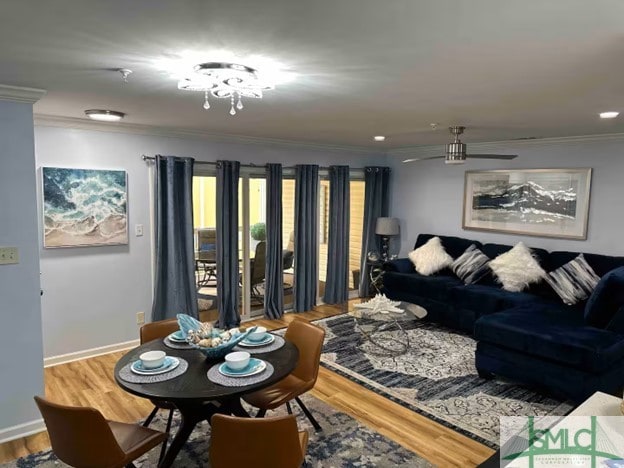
574,281
471,266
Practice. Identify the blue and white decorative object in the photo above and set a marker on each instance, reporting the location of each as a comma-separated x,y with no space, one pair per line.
214,343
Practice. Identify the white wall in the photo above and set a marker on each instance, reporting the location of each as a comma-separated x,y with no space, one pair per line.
428,195
92,294
21,357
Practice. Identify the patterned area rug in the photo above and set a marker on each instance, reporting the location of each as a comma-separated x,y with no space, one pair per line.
343,443
436,377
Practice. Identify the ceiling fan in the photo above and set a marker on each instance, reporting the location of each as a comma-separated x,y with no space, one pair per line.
456,151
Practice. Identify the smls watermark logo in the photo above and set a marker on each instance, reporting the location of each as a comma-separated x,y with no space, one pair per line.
583,441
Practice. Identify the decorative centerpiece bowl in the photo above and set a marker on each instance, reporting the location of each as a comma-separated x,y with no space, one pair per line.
214,343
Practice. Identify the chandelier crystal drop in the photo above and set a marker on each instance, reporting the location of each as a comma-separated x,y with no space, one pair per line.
225,80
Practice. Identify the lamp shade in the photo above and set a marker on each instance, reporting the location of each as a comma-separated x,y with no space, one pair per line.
387,227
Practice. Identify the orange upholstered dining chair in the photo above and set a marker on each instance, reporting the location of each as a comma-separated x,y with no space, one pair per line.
308,339
81,437
268,443
149,332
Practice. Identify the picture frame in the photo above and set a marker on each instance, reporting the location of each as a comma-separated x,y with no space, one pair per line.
530,202
84,207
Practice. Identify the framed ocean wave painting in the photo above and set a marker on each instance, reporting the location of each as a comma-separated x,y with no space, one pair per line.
84,207
532,202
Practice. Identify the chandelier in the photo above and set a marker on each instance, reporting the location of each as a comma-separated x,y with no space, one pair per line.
225,80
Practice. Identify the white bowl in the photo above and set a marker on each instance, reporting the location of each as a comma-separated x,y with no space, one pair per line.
152,359
237,360
258,334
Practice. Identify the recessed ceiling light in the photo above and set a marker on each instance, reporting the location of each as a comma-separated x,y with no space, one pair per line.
609,115
379,138
105,115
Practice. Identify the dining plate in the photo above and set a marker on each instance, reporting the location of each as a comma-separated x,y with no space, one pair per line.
178,337
265,341
254,367
169,364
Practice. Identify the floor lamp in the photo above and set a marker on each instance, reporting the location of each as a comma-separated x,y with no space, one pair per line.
386,228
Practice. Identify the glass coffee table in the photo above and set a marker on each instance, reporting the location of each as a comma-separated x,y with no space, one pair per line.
374,325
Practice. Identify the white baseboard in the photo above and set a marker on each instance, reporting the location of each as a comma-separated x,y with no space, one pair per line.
21,430
88,353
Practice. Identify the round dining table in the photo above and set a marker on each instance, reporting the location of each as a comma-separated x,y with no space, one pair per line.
196,397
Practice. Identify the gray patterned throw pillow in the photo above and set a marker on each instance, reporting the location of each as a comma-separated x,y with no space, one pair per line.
574,281
471,266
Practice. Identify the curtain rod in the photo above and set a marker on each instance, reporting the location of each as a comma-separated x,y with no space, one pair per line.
252,166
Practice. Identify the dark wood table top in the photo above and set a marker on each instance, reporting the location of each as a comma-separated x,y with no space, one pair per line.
193,385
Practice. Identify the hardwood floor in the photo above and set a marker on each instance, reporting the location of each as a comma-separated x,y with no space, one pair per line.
89,382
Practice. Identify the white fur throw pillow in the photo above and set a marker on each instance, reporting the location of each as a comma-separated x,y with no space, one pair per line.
517,268
430,257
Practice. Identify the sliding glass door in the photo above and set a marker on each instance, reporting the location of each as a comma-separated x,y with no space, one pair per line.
252,239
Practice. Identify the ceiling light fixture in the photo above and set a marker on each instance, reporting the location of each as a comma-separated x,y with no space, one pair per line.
104,115
125,73
225,80
609,115
379,138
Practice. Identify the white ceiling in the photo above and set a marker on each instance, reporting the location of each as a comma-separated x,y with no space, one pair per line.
531,68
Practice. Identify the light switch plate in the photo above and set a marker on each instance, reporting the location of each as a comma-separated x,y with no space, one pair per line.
9,255
138,230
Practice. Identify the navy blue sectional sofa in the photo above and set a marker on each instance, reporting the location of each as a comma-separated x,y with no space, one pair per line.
531,337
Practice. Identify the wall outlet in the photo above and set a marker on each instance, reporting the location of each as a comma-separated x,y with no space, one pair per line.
138,230
9,255
140,318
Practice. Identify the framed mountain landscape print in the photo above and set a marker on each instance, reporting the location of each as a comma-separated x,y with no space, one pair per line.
84,207
533,202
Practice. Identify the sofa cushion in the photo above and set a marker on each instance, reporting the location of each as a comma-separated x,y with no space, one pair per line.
552,335
471,266
487,300
574,281
430,258
601,264
517,268
455,246
617,322
432,287
401,265
607,298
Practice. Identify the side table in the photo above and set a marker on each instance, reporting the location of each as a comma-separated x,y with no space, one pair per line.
375,274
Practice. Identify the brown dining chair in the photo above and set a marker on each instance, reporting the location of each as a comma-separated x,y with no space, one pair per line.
149,332
82,437
268,443
308,339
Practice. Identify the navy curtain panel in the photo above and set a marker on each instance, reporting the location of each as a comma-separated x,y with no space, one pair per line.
337,284
174,291
227,243
306,237
274,271
377,185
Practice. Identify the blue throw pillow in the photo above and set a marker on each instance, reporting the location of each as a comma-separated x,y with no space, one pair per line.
471,266
606,299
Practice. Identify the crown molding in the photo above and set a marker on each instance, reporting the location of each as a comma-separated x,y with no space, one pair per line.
504,145
44,120
20,94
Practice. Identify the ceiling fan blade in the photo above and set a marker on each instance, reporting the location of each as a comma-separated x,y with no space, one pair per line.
423,159
492,156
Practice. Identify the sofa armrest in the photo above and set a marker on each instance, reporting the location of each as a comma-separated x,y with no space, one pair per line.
617,322
400,265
